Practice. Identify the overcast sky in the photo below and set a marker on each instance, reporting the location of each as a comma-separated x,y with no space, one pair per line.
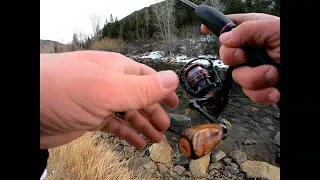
60,18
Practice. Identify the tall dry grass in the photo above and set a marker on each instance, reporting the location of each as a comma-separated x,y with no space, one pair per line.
108,44
85,159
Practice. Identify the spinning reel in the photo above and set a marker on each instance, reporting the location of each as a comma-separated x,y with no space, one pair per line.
211,95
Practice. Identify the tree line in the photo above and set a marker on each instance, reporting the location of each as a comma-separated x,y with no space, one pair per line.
167,20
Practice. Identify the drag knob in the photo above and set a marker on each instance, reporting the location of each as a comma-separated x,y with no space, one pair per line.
198,141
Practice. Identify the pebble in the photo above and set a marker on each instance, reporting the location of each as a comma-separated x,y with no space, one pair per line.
217,156
238,156
162,168
235,165
233,170
179,169
216,165
227,160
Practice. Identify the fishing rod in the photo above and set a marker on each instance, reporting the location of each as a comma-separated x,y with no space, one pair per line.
211,95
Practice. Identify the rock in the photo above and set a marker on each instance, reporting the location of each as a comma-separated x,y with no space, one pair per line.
161,152
238,156
176,177
169,164
124,143
227,173
227,160
162,168
179,169
235,165
128,152
217,166
213,172
260,170
178,123
277,138
182,161
233,170
186,173
144,167
254,108
150,167
249,141
217,156
198,168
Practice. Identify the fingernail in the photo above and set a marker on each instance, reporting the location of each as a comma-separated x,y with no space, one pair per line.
225,37
274,96
270,76
167,79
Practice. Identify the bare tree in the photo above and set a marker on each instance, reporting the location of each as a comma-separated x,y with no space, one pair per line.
218,4
147,20
95,23
165,22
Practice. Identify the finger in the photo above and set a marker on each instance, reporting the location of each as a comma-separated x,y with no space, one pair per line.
254,33
240,18
204,29
232,56
256,78
263,96
141,69
157,117
131,92
122,131
142,124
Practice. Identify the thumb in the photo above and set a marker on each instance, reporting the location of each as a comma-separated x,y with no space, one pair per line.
132,92
254,33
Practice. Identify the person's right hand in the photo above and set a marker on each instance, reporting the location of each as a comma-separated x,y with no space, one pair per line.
255,29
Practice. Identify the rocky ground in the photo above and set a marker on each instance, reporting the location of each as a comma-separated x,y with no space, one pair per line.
248,153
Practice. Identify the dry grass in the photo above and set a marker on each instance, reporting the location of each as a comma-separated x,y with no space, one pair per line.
107,44
85,159
59,48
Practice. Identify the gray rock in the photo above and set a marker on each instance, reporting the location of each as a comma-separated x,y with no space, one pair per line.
235,165
144,167
227,173
179,169
217,156
233,170
128,152
176,177
178,123
182,161
217,166
213,172
277,138
186,173
162,168
238,156
227,160
249,141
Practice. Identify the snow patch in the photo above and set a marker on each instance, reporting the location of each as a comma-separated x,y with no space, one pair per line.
153,55
216,61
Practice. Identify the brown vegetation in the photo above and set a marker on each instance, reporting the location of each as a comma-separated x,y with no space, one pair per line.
85,159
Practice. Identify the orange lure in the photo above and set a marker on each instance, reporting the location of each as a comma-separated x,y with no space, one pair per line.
198,141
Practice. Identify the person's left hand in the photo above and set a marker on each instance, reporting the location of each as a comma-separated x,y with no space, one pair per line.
81,91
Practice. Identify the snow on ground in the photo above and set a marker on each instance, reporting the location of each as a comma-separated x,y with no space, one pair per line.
216,60
183,58
153,55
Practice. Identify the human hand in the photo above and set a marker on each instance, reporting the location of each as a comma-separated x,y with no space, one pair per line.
80,91
255,29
